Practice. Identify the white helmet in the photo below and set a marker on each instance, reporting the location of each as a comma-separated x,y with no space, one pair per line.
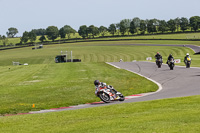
187,54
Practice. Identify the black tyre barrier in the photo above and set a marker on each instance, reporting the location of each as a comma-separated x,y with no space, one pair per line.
74,60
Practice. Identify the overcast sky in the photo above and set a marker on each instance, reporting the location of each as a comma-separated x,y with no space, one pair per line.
26,15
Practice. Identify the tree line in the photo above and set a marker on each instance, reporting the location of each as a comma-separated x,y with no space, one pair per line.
51,32
133,26
139,26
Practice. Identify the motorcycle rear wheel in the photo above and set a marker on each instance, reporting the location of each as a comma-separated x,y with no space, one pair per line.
121,98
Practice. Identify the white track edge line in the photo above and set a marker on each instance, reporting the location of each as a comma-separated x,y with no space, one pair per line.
144,94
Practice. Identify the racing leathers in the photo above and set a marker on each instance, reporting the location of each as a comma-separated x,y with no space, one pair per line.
158,56
185,59
169,58
104,86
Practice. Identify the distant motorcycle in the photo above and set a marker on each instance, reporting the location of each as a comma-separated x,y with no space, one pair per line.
188,62
159,62
171,64
107,94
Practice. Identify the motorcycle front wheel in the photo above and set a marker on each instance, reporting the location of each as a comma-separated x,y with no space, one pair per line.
171,66
104,97
188,65
158,64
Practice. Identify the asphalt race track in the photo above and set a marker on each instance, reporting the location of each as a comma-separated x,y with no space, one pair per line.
179,82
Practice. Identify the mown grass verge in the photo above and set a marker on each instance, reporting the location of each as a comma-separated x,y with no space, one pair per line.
77,38
91,52
159,116
61,85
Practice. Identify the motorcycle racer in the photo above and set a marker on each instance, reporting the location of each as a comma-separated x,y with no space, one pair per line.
159,60
187,60
100,85
169,58
187,56
107,93
158,56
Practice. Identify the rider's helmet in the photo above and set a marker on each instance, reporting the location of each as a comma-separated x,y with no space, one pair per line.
96,82
187,54
170,54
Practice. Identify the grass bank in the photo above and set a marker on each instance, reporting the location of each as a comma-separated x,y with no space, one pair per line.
159,116
60,85
185,36
91,52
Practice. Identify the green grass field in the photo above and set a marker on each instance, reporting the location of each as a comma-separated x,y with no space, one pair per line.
49,85
159,116
93,52
167,36
60,85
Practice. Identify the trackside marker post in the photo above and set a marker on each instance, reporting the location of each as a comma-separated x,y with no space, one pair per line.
149,58
71,57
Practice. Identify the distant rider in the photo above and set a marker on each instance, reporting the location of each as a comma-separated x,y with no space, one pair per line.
120,60
187,56
100,85
158,56
169,58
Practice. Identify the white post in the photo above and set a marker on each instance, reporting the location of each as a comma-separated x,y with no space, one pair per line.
61,52
71,57
66,56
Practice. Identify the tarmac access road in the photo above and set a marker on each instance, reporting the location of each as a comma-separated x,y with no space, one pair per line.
195,48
